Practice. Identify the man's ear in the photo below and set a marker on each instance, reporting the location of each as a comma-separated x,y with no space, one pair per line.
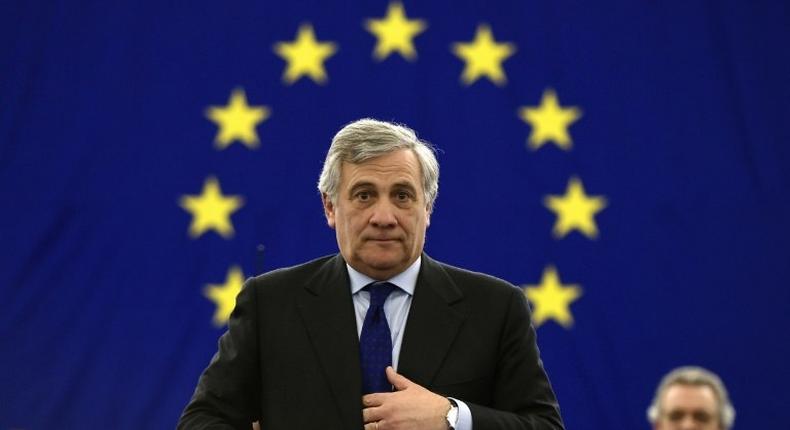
329,210
428,213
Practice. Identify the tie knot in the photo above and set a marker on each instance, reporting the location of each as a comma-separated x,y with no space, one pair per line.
379,291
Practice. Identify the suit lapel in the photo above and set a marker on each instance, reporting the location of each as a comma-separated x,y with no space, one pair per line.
434,321
328,314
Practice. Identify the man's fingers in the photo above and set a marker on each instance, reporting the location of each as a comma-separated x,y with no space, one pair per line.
371,415
399,381
374,399
376,425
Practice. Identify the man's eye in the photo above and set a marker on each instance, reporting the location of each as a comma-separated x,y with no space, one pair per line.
676,416
702,417
403,196
363,196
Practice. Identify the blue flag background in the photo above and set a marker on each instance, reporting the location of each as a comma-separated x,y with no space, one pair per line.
645,213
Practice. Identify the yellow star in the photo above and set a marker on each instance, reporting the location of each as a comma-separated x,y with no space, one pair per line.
237,120
551,299
575,210
549,121
224,295
483,57
305,56
211,210
395,33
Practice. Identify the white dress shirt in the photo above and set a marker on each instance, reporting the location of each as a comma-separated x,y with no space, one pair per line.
396,309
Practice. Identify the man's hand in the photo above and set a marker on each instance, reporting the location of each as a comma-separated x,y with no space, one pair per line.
409,407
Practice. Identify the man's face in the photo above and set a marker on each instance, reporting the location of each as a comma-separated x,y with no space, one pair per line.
380,214
688,407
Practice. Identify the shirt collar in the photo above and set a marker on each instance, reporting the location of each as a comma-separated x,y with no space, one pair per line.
406,280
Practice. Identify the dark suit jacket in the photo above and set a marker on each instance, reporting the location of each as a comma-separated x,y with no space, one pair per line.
290,357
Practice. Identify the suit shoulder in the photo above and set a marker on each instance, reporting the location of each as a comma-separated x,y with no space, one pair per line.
469,279
289,276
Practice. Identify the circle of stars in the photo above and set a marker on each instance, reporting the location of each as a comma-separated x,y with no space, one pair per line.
395,33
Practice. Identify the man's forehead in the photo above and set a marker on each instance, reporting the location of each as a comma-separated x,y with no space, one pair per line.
690,395
399,166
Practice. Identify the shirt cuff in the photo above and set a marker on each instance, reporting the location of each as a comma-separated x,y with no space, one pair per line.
464,416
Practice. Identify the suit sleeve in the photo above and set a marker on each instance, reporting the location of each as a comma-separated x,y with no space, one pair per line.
523,398
226,396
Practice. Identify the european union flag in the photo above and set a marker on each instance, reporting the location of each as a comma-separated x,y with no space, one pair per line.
626,163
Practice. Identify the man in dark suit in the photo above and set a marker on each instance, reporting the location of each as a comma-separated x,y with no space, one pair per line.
317,346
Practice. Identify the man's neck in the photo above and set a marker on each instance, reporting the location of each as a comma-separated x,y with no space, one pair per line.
406,280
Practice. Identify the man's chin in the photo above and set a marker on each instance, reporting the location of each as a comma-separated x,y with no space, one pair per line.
382,265
384,244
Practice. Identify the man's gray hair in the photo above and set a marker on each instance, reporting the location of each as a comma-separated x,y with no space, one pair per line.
697,376
368,138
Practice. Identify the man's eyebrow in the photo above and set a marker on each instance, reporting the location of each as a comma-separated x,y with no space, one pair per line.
358,185
405,184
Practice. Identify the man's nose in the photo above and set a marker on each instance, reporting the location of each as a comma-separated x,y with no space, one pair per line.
688,423
383,215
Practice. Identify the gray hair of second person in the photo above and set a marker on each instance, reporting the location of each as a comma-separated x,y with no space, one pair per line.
368,138
695,376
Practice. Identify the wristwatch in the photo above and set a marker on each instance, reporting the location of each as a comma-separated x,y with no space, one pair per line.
452,414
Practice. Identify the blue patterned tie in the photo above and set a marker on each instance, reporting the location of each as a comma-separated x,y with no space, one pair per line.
375,342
